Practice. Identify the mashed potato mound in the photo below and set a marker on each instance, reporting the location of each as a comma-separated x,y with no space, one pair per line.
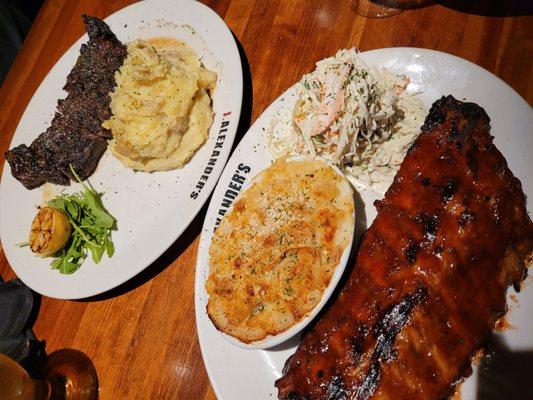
161,106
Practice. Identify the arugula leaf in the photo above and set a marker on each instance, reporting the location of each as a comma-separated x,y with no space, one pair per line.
109,246
92,200
101,217
97,251
92,225
58,202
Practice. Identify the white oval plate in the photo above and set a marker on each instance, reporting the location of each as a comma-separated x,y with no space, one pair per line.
152,210
237,373
271,341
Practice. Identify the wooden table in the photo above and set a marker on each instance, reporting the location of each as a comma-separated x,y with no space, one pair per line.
142,336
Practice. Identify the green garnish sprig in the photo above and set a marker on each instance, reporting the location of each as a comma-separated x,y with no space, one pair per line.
92,225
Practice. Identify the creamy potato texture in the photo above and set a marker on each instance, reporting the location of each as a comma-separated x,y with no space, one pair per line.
161,106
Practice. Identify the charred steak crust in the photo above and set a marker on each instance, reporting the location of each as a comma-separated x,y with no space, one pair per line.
429,283
76,135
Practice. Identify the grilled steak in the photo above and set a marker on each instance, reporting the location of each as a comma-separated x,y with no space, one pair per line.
429,283
75,135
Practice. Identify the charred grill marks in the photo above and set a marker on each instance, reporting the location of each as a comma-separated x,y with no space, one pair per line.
448,190
75,135
385,332
453,225
410,252
392,321
430,226
335,389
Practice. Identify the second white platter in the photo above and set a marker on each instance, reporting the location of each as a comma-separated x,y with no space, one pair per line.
243,374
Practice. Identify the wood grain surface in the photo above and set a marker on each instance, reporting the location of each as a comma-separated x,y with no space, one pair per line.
141,336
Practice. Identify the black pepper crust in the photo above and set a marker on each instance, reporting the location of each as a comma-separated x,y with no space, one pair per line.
76,135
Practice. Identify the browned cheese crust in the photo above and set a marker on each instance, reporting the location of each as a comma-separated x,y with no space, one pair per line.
431,275
276,251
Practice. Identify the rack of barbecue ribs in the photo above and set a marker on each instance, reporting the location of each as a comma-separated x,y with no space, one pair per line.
76,136
431,275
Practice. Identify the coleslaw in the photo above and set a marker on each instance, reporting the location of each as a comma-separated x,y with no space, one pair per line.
359,117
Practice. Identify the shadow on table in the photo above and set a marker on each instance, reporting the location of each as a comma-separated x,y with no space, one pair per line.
195,227
247,96
489,8
503,373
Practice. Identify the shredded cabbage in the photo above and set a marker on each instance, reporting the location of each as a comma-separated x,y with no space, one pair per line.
359,117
